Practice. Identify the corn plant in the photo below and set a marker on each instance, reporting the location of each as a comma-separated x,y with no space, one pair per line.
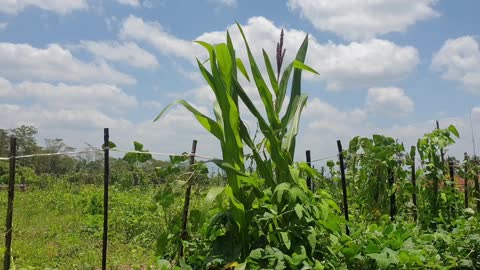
275,183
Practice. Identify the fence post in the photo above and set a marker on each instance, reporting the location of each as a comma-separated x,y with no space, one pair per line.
452,174
465,184
11,197
442,155
106,180
414,194
309,163
186,206
477,184
344,184
393,199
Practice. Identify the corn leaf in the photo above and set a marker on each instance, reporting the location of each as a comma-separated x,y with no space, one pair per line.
209,124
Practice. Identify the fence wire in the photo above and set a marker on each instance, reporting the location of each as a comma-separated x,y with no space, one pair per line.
324,158
101,151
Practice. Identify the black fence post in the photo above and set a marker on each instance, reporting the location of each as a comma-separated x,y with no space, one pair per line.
106,180
11,197
186,206
344,184
393,199
309,163
452,173
465,184
442,155
477,184
414,194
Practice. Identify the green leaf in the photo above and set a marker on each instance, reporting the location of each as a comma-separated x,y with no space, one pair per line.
299,210
454,130
265,94
286,239
241,266
299,65
312,240
209,124
294,119
297,74
227,166
282,89
271,73
137,146
242,68
213,194
111,145
256,254
130,158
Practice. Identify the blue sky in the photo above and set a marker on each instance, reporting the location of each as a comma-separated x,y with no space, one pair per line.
72,67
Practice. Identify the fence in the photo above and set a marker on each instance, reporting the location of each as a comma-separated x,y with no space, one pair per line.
106,182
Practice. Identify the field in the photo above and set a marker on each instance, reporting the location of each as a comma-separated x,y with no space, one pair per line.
61,227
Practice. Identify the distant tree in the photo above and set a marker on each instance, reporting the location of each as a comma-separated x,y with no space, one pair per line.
58,164
4,145
26,142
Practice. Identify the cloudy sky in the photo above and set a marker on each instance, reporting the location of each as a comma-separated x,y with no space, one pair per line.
72,67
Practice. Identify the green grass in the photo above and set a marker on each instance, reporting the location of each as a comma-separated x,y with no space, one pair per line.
61,228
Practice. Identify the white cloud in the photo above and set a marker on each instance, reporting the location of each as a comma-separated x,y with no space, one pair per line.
22,62
459,60
358,64
228,3
127,52
362,64
390,101
63,96
43,118
476,114
62,7
326,119
154,34
360,19
3,26
325,123
133,3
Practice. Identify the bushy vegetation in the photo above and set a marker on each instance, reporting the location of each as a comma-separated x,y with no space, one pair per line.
259,213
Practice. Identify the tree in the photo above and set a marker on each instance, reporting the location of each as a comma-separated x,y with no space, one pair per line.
4,144
26,142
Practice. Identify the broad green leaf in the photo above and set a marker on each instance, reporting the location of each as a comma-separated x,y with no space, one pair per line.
130,158
454,130
286,239
111,145
213,194
299,210
137,146
241,266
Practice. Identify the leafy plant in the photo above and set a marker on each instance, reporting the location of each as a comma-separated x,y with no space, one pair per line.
439,201
251,196
135,159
